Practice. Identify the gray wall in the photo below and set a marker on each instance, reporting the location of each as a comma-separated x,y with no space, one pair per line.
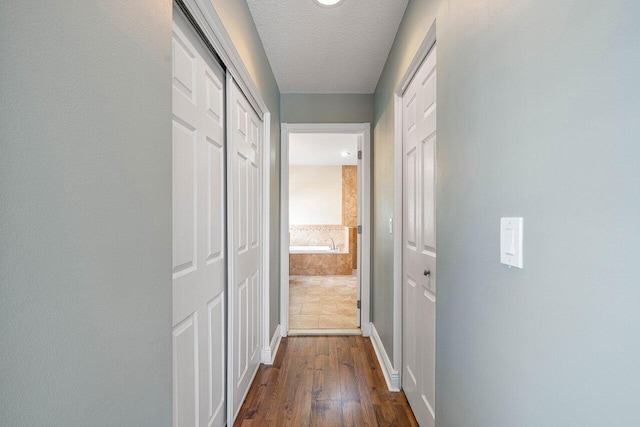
238,22
85,213
537,117
326,108
85,185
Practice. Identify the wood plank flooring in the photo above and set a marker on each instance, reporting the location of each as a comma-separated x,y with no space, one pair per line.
324,381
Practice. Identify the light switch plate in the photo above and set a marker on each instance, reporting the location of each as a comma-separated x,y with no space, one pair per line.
511,241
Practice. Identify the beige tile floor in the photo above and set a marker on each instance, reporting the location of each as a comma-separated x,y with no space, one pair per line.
322,302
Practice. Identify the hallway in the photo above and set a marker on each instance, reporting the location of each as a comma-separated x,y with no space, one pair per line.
324,381
155,269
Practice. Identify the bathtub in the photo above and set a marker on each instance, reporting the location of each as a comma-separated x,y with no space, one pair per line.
318,261
311,249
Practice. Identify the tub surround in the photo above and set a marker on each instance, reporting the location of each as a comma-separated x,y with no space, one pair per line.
307,259
320,264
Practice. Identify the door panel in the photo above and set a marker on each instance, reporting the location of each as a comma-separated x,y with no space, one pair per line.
216,350
427,350
255,206
245,168
410,297
428,194
243,319
185,373
411,194
184,200
199,227
419,241
215,201
241,203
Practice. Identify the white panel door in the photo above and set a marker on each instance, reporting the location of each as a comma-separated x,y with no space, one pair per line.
245,130
419,245
199,259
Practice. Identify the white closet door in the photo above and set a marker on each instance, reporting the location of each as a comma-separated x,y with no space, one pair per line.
419,246
245,176
199,259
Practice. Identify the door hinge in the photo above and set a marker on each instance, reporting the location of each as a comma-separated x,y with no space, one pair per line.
359,154
358,304
359,229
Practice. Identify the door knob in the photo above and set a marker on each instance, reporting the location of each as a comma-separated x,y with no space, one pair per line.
427,272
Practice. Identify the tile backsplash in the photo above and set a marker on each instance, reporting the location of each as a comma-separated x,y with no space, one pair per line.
316,235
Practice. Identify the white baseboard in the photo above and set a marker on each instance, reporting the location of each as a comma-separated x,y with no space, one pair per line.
269,352
391,376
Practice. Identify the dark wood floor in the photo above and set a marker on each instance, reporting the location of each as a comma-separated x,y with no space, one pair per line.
324,381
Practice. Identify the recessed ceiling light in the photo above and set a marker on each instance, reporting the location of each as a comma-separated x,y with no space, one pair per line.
328,3
345,154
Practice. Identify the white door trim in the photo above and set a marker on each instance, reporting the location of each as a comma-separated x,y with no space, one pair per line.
206,21
424,49
363,129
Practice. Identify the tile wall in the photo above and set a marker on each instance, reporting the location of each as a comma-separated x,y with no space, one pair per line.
344,236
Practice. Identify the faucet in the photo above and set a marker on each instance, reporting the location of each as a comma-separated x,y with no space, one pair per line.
333,244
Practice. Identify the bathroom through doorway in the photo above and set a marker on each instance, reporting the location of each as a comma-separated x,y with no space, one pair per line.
324,229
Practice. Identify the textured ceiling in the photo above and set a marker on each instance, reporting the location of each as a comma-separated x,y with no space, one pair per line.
322,149
315,49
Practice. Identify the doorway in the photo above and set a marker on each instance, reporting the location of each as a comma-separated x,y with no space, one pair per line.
325,233
323,220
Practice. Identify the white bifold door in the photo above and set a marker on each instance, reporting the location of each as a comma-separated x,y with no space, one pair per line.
245,173
419,241
199,228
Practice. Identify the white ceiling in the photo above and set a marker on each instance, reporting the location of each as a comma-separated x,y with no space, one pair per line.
315,49
322,149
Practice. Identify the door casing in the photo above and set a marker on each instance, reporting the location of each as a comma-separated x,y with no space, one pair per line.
364,209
